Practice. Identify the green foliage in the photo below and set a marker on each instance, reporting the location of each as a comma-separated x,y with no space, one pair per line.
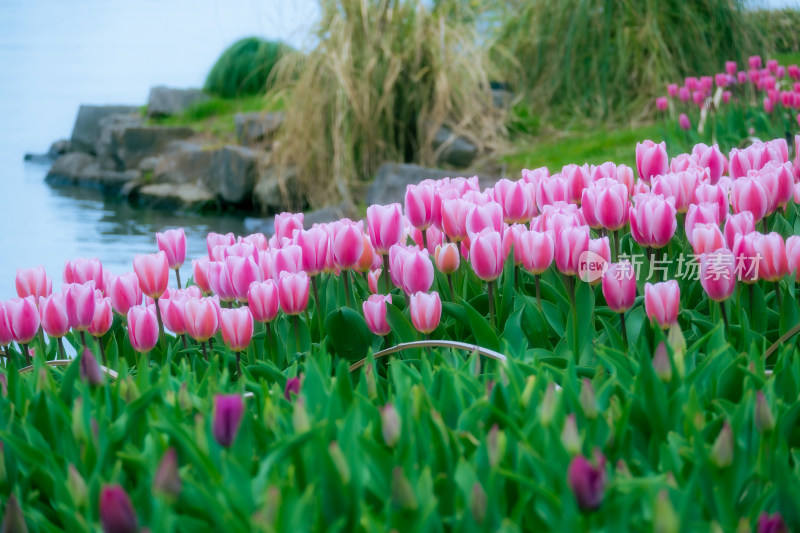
781,27
245,68
603,58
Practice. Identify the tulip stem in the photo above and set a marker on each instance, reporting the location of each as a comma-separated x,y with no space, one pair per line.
25,354
102,352
725,318
239,364
386,276
60,343
425,239
491,304
317,307
160,323
624,330
571,289
516,277
205,353
41,340
750,292
83,339
450,284
778,298
178,277
296,322
346,277
764,225
183,340
616,246
538,292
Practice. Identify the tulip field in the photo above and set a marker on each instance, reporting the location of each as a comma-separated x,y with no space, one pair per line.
597,348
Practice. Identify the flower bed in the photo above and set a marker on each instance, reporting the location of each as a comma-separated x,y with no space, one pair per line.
604,347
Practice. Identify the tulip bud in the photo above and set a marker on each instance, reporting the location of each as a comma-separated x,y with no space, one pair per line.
300,420
403,496
477,503
228,411
496,446
765,422
369,377
340,462
527,392
677,342
771,523
390,425
570,438
76,486
665,519
587,399
78,421
548,406
116,511
292,388
722,450
661,363
587,481
90,369
13,519
167,479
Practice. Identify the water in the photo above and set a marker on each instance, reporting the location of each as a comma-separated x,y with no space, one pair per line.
55,55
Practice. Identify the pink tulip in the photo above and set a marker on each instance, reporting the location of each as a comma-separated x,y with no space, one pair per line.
385,223
367,259
744,250
538,250
447,258
22,318
480,217
433,238
220,280
426,311
744,160
739,224
730,68
53,315
347,244
286,224
486,254
152,271
717,274
262,298
240,249
420,205
84,270
683,122
706,238
454,218
595,264
793,256
103,316
749,195
258,240
611,205
202,318
662,103
117,514
314,246
672,90
372,280
375,313
173,243
619,286
287,259
778,182
124,292
33,282
142,328
714,194
293,292
551,190
536,175
514,200
704,213
200,274
80,303
417,272
237,328
578,178
651,159
243,272
680,186
773,263
587,481
653,221
228,412
173,313
216,239
661,302
570,243
397,257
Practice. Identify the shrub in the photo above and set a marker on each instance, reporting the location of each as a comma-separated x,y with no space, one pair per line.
781,27
244,68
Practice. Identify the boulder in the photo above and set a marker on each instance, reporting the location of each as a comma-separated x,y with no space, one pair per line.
502,98
86,130
77,168
275,191
107,145
457,151
233,173
164,101
252,128
172,195
128,144
390,183
184,162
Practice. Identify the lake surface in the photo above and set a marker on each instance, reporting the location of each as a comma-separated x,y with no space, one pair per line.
55,55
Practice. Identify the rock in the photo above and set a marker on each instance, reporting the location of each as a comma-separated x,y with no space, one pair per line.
274,191
184,162
458,151
172,195
252,128
86,130
129,145
60,147
111,131
148,165
233,173
501,98
390,183
77,168
164,101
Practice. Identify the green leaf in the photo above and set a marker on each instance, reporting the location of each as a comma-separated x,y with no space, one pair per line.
349,333
402,329
484,335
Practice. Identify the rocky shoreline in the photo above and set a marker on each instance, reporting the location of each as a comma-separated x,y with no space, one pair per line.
121,151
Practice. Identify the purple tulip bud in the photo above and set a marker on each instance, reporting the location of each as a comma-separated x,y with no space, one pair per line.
764,419
228,410
116,511
167,479
13,519
292,387
587,481
477,503
661,363
771,524
90,369
390,425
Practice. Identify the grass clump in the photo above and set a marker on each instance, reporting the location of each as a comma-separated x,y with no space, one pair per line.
383,79
244,68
